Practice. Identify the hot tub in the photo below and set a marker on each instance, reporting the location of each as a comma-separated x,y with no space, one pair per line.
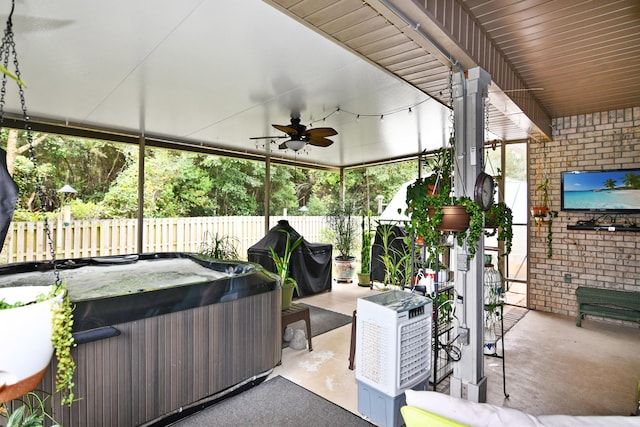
158,333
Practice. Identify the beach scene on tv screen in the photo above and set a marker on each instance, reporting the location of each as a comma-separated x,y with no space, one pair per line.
608,190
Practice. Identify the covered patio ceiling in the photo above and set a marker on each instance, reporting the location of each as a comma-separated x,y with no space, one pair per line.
211,75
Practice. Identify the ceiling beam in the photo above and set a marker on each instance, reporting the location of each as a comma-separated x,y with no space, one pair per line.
448,30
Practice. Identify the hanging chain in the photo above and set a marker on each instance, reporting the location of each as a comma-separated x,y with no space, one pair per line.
8,49
452,118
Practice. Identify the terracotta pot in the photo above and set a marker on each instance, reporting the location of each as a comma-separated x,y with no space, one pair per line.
539,211
22,368
454,219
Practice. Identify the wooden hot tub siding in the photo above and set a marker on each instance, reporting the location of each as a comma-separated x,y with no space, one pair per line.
160,364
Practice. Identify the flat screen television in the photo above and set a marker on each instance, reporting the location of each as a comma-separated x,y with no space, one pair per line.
608,191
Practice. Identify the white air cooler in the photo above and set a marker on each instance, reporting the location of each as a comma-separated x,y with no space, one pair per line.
393,352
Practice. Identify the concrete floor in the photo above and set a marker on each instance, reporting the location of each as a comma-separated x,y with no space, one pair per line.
552,366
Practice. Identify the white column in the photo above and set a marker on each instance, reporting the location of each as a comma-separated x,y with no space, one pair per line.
468,380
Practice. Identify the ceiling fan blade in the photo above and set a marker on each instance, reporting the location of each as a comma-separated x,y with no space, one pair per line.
320,142
269,137
286,129
283,146
320,132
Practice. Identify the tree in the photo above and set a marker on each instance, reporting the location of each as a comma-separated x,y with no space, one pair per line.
631,180
610,184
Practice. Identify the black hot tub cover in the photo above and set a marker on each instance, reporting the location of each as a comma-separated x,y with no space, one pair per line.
310,263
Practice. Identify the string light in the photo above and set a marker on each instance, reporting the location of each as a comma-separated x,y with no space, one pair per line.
380,116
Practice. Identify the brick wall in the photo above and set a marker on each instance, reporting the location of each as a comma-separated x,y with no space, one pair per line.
606,259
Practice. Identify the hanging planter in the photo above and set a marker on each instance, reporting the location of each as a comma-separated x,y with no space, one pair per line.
27,349
42,315
539,211
455,219
433,212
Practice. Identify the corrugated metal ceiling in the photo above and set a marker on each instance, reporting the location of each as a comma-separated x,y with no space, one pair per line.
550,58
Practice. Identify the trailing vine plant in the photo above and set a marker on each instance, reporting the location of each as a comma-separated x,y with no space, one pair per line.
552,214
501,218
425,199
63,342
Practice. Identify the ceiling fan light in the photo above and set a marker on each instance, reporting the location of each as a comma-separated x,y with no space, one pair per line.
295,144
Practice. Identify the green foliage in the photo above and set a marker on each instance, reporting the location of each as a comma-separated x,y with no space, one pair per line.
219,247
282,262
342,223
88,210
500,218
105,175
552,214
544,188
32,412
62,340
367,237
425,199
365,184
397,263
631,180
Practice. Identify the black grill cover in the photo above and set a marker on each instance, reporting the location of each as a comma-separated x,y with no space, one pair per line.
310,263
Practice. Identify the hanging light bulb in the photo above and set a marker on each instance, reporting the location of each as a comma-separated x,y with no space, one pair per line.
358,118
410,110
382,117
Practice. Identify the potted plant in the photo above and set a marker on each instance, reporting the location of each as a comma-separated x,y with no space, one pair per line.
32,411
364,277
395,257
432,210
542,214
344,229
219,246
288,283
541,210
499,219
46,318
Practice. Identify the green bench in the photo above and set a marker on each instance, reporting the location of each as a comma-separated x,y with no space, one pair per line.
612,303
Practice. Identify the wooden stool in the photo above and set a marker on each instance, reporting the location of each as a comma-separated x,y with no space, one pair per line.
294,313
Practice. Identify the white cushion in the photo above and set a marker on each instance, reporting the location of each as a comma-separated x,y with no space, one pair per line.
484,414
588,421
466,412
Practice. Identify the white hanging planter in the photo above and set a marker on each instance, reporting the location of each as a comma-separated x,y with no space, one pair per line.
27,347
